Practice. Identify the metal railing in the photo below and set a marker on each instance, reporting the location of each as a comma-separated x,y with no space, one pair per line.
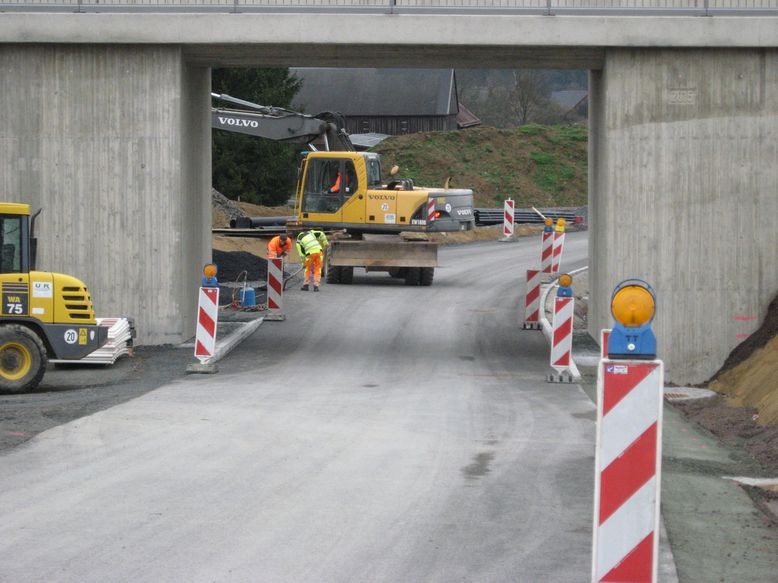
491,216
544,7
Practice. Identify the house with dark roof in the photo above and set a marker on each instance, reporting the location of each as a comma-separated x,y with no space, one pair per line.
384,101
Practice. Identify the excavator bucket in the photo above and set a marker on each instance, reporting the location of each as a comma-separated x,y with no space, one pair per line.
377,254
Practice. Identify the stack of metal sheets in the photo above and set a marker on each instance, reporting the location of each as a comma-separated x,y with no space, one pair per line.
121,331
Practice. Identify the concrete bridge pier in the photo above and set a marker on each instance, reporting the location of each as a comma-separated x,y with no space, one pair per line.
683,180
99,135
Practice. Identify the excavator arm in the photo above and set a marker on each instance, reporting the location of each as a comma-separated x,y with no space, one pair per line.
282,125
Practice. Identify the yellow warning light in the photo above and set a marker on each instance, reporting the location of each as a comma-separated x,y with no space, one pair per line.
209,270
633,305
566,280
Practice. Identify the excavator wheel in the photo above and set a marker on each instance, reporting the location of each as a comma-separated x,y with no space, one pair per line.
22,359
427,273
333,274
347,275
412,275
397,272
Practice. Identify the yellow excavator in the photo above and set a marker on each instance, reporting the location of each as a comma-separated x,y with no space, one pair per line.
44,315
384,223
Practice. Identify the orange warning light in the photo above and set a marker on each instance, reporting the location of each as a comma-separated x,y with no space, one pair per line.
209,270
633,305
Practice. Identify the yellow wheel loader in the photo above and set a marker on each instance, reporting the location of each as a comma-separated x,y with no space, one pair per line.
44,315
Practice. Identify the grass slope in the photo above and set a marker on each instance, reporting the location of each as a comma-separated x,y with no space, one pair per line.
535,165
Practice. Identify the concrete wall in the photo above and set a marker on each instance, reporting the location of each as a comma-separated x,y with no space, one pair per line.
112,142
683,194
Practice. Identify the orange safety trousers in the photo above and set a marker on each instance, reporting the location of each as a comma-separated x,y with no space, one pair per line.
313,268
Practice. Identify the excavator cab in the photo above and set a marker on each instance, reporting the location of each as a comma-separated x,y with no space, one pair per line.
323,191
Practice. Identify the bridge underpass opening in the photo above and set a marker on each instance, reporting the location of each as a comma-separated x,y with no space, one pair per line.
654,210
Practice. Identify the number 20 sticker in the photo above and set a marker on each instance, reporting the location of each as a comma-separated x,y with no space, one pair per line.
71,336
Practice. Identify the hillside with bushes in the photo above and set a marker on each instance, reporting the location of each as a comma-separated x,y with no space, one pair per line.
536,165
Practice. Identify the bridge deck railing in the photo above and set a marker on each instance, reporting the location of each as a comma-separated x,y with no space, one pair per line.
548,7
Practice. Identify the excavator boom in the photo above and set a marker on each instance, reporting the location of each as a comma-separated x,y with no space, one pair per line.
281,125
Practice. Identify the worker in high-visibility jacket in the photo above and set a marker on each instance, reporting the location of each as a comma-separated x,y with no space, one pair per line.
279,246
310,247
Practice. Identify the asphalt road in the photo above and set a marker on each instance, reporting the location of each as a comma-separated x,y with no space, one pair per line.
380,433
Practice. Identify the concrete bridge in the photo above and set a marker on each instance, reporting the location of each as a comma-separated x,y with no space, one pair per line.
104,122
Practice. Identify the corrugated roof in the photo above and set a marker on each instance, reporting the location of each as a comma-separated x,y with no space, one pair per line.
372,92
367,140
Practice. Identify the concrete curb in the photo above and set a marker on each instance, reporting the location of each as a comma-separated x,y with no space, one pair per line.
224,347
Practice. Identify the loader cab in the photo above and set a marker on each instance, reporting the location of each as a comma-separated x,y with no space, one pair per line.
14,238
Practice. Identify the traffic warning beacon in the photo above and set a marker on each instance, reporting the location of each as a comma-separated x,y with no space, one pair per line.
633,305
209,276
565,281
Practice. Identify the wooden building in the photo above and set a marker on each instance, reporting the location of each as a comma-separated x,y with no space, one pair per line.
384,101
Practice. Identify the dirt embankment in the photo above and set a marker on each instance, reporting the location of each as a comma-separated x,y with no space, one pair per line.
749,376
746,412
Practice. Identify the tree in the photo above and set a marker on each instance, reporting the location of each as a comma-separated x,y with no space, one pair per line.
507,98
254,169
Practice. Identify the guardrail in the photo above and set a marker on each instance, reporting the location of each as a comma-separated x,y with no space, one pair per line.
490,216
529,7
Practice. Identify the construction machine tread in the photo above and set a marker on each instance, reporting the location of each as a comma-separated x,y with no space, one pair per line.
22,359
412,275
426,275
333,274
347,275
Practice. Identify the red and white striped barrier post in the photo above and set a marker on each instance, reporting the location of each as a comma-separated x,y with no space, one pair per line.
558,245
532,301
430,210
562,339
546,250
604,334
207,320
275,289
508,215
627,470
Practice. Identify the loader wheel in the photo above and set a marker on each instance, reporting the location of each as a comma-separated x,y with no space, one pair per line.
427,273
347,275
22,359
333,275
412,276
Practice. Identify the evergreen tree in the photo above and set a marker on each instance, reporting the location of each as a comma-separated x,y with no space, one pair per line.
254,169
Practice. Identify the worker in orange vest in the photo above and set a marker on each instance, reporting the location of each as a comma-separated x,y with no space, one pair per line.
279,246
335,188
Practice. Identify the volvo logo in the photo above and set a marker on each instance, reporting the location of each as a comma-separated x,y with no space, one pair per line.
241,123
